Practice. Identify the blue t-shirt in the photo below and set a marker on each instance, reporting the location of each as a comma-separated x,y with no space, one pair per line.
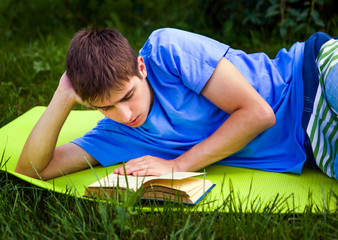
179,64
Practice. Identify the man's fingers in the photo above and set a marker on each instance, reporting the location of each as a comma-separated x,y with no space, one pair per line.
141,173
145,166
134,165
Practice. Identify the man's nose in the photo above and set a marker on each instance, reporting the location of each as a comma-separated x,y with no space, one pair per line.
125,113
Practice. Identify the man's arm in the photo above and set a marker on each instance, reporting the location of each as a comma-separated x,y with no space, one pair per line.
250,115
39,157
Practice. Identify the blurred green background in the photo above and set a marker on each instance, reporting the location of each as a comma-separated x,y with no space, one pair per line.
34,35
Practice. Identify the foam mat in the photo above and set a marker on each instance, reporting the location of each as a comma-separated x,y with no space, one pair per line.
250,190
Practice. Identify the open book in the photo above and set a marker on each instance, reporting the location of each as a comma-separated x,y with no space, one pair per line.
174,187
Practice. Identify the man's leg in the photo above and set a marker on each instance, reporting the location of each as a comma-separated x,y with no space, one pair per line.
323,125
331,88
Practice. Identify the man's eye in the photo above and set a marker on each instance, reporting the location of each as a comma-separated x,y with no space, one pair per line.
105,109
128,97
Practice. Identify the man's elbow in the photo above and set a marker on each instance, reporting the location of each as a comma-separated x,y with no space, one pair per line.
27,171
266,117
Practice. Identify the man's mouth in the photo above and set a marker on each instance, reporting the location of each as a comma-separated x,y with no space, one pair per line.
134,122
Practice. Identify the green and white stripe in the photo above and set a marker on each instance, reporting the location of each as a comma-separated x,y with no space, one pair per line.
323,124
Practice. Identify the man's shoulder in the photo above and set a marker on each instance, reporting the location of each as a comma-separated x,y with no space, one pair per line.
171,40
162,41
182,39
173,36
167,32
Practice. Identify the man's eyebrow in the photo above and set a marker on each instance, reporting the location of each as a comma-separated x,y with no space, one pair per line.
121,100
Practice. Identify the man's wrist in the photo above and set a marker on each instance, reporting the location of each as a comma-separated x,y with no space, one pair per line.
179,165
65,97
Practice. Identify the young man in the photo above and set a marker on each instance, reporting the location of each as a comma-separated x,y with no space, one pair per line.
185,102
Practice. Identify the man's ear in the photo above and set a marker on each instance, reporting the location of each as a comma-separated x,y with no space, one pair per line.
141,66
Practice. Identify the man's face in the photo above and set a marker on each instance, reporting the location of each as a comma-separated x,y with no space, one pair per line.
130,105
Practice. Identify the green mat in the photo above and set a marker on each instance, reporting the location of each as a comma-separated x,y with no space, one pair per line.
250,189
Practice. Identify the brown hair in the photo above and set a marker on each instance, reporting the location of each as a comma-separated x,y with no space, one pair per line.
98,61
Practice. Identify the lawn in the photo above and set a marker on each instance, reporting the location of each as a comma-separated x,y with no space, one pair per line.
29,212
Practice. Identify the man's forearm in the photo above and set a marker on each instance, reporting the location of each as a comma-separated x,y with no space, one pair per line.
234,134
40,145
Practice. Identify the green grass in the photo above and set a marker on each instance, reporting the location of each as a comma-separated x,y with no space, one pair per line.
29,212
29,74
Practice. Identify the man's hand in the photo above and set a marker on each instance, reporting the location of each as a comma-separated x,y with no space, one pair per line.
65,87
148,166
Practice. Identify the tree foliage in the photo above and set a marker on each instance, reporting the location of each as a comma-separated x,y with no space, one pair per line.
287,19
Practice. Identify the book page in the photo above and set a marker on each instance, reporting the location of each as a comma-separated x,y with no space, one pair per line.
184,185
186,190
114,180
179,175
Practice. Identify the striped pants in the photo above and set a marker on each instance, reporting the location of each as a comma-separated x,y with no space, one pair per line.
323,125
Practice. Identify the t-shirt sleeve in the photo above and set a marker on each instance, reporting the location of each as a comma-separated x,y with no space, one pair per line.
190,57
